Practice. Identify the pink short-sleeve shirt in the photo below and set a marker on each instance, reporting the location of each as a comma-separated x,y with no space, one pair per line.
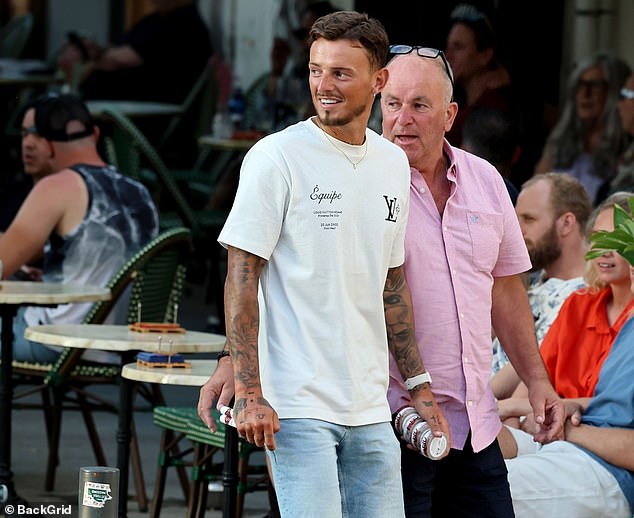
450,265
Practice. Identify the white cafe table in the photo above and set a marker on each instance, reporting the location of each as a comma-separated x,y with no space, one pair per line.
196,375
120,339
14,294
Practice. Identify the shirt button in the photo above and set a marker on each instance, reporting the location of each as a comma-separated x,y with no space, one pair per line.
461,315
470,403
445,228
421,190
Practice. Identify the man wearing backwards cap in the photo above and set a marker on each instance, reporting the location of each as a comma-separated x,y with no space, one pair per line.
84,216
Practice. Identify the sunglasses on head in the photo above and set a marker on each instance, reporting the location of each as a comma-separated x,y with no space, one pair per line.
423,52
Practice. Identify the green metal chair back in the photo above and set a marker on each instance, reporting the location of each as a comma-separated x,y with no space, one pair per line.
138,158
131,148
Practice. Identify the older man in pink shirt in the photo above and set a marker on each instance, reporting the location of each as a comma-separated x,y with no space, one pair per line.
464,256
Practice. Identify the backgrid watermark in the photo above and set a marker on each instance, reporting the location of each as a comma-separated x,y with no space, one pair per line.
42,509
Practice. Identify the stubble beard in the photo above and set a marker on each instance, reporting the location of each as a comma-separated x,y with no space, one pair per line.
327,118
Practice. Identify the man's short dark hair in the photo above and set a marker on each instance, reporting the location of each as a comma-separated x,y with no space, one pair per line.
354,26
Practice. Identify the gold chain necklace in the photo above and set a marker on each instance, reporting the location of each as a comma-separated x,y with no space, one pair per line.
332,141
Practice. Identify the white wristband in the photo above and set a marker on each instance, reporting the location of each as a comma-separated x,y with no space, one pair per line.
411,383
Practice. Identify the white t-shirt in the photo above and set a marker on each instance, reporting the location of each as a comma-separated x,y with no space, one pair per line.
329,232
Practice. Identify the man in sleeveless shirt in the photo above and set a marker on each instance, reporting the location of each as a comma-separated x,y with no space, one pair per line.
83,219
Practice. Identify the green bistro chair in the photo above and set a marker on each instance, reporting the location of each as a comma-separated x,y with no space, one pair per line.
174,424
182,424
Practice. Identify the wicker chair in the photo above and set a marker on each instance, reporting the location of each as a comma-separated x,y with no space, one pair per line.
154,277
182,425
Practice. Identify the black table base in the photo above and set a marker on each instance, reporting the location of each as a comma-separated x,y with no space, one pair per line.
7,313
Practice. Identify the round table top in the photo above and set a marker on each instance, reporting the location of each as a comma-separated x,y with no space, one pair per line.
120,338
196,375
28,292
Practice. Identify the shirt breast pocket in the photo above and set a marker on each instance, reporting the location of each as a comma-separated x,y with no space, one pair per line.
485,233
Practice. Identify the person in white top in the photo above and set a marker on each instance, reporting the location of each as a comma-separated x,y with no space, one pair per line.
315,292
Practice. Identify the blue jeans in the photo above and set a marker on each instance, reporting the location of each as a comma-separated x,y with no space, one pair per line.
324,470
27,351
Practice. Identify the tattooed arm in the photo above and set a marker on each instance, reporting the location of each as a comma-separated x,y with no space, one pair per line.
401,338
255,419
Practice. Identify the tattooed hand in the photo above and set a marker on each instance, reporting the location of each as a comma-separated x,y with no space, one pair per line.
256,420
425,402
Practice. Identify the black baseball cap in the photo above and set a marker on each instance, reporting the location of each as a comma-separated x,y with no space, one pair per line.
54,112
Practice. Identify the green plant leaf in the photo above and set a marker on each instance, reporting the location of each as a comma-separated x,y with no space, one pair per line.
620,240
629,255
594,253
620,216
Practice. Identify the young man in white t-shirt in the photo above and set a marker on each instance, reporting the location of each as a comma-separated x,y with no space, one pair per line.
315,293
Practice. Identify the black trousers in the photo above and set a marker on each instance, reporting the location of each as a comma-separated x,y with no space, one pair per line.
462,485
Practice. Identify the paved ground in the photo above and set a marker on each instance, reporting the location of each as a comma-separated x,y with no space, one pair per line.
29,449
29,459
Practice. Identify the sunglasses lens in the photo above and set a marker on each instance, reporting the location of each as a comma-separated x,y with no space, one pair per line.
401,49
428,52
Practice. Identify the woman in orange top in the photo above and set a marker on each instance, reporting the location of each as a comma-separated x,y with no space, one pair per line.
582,334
